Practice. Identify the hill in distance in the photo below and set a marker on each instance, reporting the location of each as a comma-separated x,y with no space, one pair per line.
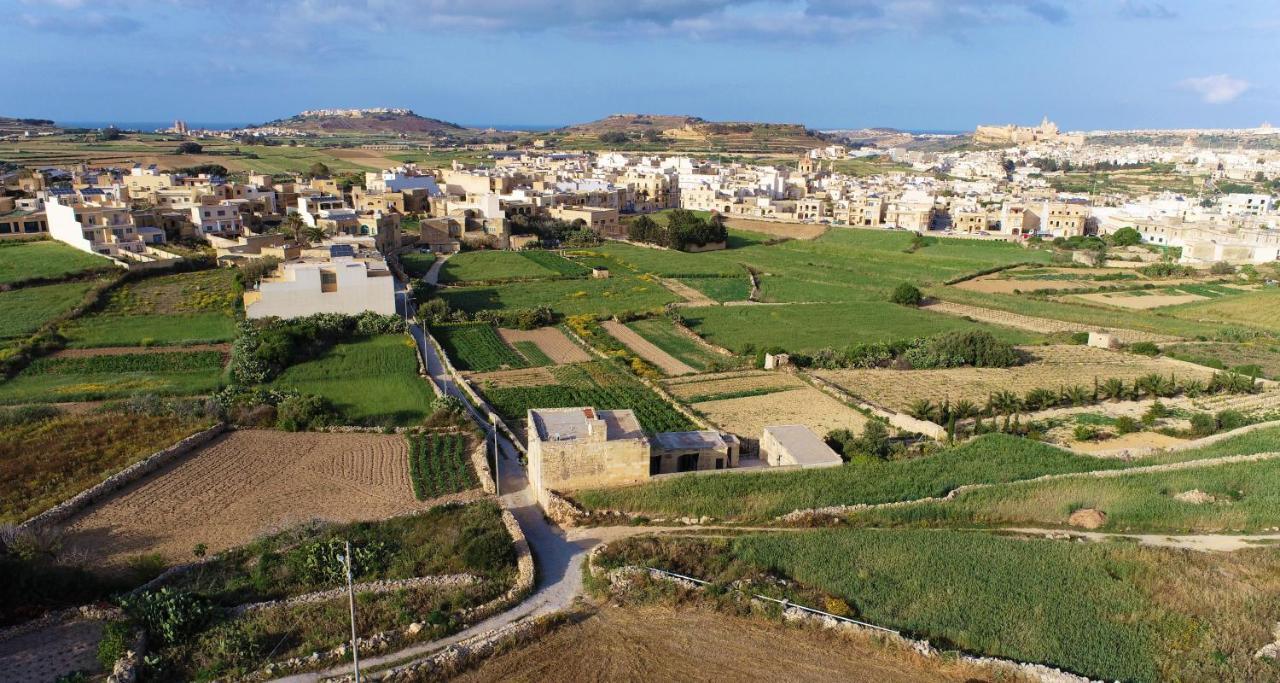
695,133
9,125
381,120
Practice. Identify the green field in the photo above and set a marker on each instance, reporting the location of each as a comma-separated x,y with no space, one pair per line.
556,262
21,261
1106,611
416,263
808,327
1245,497
597,384
493,265
663,334
176,309
721,289
1260,309
96,378
23,311
371,381
476,347
1262,352
439,465
989,459
567,297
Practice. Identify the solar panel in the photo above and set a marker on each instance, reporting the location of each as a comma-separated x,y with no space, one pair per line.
341,250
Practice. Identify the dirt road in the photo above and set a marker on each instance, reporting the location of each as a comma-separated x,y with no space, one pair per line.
667,363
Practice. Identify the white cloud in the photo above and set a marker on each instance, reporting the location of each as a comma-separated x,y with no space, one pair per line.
1216,89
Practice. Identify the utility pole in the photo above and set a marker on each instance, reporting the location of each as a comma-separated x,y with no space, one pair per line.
497,472
351,601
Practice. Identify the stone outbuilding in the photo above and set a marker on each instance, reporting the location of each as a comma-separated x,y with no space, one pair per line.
795,446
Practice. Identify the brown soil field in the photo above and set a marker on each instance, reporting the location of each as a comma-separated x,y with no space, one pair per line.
667,363
551,340
367,157
523,377
128,350
1140,303
691,296
245,484
747,417
50,653
1051,367
688,644
1135,443
1043,325
723,385
800,231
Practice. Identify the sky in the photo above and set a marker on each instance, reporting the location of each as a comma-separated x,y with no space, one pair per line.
911,64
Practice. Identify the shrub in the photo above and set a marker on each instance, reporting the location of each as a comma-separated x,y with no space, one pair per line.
906,294
303,413
1126,237
189,148
486,549
1144,348
169,616
1203,424
322,563
1230,419
117,636
1126,425
956,349
1085,433
1222,268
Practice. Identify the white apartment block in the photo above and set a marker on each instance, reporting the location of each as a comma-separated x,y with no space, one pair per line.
342,283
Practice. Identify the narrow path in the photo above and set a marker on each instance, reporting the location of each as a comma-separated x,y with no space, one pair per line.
691,296
1208,543
668,364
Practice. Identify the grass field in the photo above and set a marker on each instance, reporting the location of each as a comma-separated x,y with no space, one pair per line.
21,261
721,289
23,311
176,309
597,384
567,297
990,459
372,381
43,462
493,265
416,264
115,376
1263,353
662,333
1242,497
809,327
1260,309
476,347
1111,612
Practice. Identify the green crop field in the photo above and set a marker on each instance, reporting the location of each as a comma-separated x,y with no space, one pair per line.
371,381
567,297
1106,611
439,465
556,262
1260,309
95,378
476,347
23,311
721,289
1242,497
21,261
1263,353
417,263
176,309
663,334
597,384
809,327
989,459
494,265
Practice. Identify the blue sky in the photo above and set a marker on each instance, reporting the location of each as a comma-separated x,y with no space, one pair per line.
919,64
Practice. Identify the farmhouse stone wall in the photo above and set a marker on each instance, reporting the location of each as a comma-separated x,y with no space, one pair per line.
475,398
374,587
68,508
480,461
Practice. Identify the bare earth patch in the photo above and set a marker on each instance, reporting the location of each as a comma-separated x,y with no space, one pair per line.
1126,445
1051,367
1140,303
1043,325
660,644
747,417
524,377
691,296
667,363
551,340
705,385
49,653
245,484
1087,518
800,231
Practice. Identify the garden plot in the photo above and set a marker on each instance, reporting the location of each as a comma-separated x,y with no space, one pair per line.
748,416
1051,367
646,349
740,385
1042,325
1140,299
246,484
552,341
1033,280
524,377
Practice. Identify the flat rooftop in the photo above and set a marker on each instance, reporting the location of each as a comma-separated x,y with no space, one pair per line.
571,424
690,441
804,446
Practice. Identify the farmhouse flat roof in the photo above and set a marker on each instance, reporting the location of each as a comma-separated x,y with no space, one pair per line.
679,441
803,445
571,424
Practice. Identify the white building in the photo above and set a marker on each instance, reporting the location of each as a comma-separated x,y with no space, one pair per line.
341,283
221,218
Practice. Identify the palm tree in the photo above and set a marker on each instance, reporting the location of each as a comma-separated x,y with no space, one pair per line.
923,409
1077,395
1112,389
964,408
1004,403
291,226
314,234
1040,399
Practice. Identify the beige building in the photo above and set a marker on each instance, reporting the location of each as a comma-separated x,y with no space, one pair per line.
345,282
574,448
692,451
602,220
1059,219
795,446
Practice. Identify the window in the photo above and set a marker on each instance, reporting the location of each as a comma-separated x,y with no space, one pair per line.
30,226
4,228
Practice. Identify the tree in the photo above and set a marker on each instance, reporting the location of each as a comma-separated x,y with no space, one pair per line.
615,138
906,294
110,133
293,226
318,170
189,148
314,234
1126,237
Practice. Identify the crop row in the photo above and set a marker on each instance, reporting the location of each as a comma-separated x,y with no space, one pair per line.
128,362
555,262
655,415
438,465
477,347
